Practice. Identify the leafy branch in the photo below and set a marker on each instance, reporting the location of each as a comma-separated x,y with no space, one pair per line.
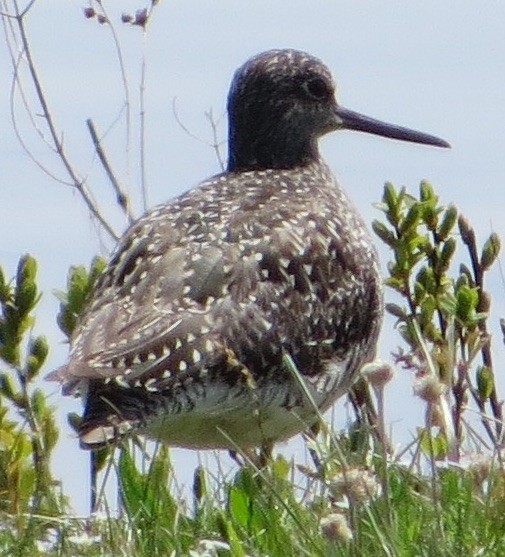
26,444
443,318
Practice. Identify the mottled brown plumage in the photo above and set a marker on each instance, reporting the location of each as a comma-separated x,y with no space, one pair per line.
187,331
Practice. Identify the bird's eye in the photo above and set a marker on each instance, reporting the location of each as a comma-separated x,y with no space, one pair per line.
317,88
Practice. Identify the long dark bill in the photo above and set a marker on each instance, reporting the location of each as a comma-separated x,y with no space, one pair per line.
355,121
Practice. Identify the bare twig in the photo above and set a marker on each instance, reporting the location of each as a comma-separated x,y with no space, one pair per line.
124,80
57,142
215,144
143,179
27,8
121,196
16,84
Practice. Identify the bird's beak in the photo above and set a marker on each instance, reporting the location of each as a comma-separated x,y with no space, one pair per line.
350,120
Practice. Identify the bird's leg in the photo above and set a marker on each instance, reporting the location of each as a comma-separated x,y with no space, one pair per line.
93,476
237,457
265,454
258,459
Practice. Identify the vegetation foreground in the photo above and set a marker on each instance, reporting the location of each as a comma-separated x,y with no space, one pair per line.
444,495
454,512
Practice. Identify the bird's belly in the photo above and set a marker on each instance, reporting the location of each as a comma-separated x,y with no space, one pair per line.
251,417
240,428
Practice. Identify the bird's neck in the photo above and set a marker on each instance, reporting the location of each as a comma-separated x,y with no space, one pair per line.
253,148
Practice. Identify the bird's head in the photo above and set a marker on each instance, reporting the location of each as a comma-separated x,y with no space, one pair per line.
281,102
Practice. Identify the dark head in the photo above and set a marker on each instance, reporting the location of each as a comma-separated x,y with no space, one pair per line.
281,102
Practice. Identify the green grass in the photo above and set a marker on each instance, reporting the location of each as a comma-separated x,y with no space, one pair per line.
277,511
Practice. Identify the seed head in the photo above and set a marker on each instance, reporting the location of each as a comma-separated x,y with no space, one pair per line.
335,527
378,373
429,388
359,485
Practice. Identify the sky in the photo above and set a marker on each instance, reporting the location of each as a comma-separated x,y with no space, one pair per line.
436,66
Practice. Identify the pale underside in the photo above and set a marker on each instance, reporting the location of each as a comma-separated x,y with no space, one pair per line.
227,420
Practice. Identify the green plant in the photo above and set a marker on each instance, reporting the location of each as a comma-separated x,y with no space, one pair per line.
443,315
28,433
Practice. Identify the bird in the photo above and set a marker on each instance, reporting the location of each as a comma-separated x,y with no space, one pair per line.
209,301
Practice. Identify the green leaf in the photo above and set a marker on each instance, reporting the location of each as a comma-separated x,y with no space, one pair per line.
485,382
132,485
228,532
27,270
428,307
396,311
446,254
392,201
419,292
430,216
98,266
38,401
281,467
38,350
390,196
490,251
80,284
447,303
448,222
435,446
50,430
466,303
395,284
426,278
239,505
427,193
5,289
7,388
412,219
102,457
384,233
74,421
25,295
199,483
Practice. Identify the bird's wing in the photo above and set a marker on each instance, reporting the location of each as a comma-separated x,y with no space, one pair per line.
190,288
165,315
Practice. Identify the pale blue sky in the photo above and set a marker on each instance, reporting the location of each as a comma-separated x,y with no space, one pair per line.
437,66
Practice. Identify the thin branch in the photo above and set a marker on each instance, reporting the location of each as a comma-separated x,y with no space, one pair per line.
468,236
216,143
143,179
8,15
124,81
76,180
16,85
27,8
10,37
182,125
121,196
